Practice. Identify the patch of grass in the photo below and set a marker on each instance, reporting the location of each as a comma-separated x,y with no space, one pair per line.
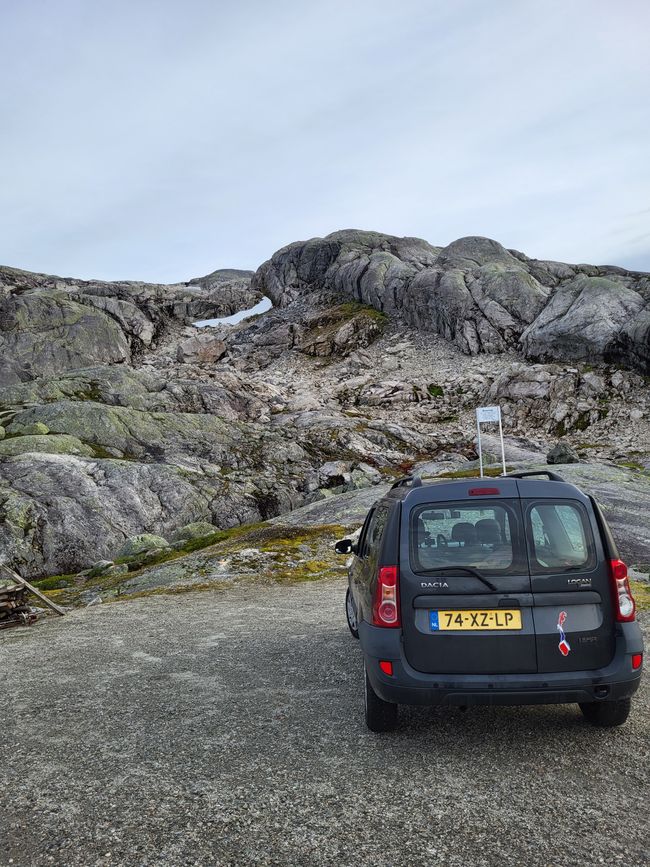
352,308
103,454
140,561
435,390
290,538
641,593
310,570
632,465
54,582
492,472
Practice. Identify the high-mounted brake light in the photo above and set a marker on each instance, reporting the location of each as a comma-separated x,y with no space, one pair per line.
385,606
624,604
483,492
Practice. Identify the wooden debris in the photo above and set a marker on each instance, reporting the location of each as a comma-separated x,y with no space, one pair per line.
14,610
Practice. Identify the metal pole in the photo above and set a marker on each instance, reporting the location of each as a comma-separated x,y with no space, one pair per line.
480,449
503,450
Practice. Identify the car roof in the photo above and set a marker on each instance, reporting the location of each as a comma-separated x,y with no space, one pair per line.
414,490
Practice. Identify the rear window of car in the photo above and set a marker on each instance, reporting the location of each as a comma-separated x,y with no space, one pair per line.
559,538
463,534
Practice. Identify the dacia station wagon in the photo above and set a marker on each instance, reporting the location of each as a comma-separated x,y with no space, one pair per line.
506,590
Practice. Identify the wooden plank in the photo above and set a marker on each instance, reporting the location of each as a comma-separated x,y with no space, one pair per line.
60,611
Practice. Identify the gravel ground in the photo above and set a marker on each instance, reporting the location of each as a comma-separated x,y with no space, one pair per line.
227,728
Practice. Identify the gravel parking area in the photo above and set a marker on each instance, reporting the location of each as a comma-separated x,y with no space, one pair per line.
227,728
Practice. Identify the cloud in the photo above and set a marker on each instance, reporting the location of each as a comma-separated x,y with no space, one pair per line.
161,140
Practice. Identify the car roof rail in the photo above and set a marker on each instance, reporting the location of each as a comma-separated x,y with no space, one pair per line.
553,477
413,481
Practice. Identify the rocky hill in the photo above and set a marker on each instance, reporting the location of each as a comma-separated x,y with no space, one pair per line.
119,417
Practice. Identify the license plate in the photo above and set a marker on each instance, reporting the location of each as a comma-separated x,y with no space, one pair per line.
468,620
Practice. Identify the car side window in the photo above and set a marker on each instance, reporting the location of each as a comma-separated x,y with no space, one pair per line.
376,530
560,538
363,536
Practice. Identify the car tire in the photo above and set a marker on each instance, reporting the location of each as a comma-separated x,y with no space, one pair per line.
351,614
381,716
606,714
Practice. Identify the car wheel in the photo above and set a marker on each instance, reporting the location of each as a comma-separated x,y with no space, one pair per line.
351,614
607,714
381,716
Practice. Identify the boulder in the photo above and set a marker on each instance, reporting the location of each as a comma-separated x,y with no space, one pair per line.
333,474
201,349
195,530
101,567
582,321
2,433
140,544
562,453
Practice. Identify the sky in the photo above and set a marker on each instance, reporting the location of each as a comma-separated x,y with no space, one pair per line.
161,139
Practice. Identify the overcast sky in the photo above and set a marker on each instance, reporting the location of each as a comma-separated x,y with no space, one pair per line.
161,139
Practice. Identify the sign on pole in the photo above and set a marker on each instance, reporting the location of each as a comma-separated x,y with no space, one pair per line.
490,415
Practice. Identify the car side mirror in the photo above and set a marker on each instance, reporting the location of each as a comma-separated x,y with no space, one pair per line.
345,546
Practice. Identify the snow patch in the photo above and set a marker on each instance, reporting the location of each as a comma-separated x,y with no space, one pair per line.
261,307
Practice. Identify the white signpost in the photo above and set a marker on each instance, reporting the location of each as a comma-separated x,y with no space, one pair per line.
490,415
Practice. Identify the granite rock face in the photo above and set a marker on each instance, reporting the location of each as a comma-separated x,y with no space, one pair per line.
119,417
475,292
49,325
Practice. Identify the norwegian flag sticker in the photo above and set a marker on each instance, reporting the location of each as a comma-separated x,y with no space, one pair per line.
564,646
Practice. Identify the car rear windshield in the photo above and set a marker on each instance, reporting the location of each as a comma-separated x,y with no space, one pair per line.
559,538
463,534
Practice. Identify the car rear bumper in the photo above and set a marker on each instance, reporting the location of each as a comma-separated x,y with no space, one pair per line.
408,686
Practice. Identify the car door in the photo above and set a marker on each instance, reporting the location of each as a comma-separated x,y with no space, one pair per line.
464,583
570,583
357,567
365,565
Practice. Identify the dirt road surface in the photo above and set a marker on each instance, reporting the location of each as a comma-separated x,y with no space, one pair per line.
227,728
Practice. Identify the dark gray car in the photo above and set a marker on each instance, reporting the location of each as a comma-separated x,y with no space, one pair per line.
492,591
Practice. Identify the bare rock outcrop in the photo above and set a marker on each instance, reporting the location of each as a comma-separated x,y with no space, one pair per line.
49,325
120,418
475,292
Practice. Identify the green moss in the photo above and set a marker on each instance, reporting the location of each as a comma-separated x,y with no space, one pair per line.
632,465
56,444
310,570
492,472
435,390
353,308
54,582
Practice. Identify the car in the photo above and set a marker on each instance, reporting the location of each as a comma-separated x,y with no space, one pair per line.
498,591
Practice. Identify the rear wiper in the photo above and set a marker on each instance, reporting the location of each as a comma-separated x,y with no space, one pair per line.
467,569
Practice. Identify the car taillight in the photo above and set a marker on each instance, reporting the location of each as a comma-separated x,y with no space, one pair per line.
623,600
385,606
483,492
